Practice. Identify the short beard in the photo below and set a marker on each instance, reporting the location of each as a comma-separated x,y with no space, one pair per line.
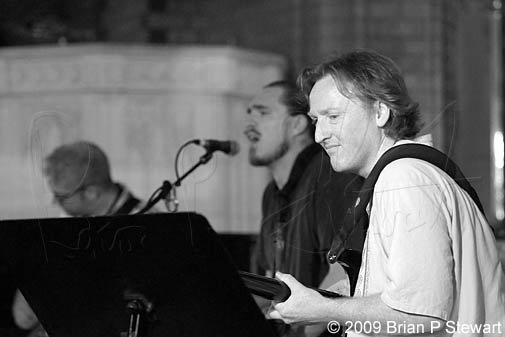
278,153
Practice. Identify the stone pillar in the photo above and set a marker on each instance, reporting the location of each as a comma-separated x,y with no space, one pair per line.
472,135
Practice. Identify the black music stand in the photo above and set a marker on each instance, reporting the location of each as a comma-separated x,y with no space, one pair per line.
74,273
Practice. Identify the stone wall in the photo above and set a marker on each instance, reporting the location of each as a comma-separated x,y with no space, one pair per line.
419,35
140,104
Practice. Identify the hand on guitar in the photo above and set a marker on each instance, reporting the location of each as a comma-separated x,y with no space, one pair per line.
269,292
341,287
301,306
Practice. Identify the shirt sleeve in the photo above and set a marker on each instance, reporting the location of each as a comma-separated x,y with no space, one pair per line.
413,224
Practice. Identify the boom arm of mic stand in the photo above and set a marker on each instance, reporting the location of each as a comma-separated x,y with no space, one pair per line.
166,187
204,159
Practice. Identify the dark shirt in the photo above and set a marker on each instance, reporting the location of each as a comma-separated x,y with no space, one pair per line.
125,202
299,220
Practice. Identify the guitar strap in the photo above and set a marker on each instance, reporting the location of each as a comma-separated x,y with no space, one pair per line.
358,213
128,206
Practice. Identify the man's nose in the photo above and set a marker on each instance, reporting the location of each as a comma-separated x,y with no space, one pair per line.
250,123
250,119
321,132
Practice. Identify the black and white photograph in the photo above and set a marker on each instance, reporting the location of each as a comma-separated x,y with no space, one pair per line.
252,168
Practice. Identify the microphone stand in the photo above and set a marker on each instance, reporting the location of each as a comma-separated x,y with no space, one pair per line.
167,186
140,310
204,159
137,308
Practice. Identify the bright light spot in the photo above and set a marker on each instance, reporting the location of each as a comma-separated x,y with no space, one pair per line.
498,150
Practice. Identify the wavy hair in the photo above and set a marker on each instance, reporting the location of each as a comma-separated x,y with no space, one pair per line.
370,77
294,100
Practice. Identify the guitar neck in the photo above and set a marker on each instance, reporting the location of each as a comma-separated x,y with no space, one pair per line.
273,289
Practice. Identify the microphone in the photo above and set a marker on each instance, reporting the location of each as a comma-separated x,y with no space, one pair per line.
230,147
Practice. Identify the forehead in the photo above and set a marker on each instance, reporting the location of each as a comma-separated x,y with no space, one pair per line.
58,187
65,178
269,97
325,95
325,92
63,186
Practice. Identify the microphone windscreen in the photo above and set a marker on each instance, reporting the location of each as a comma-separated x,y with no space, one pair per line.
234,148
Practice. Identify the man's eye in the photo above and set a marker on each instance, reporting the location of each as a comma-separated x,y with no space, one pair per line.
333,118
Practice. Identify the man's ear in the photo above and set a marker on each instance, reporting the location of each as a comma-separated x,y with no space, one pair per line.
382,114
299,124
92,192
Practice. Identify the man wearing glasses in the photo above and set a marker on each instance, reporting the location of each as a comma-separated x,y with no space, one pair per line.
78,175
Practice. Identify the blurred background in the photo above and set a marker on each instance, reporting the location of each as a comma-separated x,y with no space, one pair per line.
141,77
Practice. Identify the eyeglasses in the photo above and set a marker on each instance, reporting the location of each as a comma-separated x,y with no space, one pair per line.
62,197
